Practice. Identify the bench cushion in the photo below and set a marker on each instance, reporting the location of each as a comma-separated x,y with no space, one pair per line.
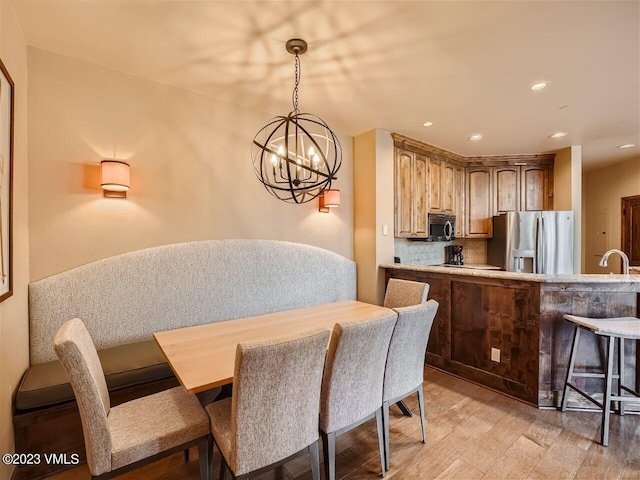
126,365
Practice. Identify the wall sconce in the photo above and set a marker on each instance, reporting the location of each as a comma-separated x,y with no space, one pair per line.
114,178
329,199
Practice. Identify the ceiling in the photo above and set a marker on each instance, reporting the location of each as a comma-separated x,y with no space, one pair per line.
466,66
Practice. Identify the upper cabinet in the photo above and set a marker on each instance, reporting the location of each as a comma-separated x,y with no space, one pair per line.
411,170
479,221
474,189
517,188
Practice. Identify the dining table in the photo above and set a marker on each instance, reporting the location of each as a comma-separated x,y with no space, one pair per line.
202,357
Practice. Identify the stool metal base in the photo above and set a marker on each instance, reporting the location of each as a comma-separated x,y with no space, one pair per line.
608,377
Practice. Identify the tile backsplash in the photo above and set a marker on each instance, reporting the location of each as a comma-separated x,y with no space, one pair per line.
434,253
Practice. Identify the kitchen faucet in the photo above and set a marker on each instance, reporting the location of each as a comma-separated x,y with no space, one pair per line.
625,260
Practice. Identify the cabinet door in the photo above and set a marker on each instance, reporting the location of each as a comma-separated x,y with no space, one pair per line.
420,205
506,189
535,188
435,186
448,188
403,192
458,195
479,211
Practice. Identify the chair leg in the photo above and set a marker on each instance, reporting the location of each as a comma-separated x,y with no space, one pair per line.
315,460
621,371
205,452
186,455
223,468
385,427
381,440
572,361
606,402
422,418
329,454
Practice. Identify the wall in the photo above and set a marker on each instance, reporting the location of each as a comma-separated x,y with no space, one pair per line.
14,329
192,176
567,195
374,204
602,205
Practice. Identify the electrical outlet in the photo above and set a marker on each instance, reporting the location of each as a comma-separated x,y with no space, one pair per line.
385,230
495,355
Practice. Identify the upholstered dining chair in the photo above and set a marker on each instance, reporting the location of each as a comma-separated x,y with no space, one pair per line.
352,383
121,438
404,371
272,415
402,293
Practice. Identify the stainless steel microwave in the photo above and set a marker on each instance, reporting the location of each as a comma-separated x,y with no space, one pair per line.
442,228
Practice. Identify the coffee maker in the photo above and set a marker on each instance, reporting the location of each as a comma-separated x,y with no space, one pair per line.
454,255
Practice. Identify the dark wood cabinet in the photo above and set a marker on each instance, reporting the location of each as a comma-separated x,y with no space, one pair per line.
523,319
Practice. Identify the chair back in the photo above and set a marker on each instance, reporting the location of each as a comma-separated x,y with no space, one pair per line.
276,395
354,370
79,357
404,371
402,293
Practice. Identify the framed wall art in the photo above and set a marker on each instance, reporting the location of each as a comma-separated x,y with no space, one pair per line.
6,183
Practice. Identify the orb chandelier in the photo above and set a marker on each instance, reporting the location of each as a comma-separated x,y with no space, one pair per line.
298,156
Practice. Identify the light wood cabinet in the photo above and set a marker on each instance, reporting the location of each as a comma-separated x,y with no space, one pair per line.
479,221
536,187
411,171
448,184
435,186
517,188
458,199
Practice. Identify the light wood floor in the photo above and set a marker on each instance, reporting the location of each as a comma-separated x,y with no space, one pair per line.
472,433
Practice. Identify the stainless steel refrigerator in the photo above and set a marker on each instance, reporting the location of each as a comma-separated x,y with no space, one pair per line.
533,242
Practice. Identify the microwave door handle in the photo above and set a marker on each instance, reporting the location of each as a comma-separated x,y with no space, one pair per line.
447,230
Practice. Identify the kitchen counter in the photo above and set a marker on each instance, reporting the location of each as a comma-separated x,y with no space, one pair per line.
518,317
525,277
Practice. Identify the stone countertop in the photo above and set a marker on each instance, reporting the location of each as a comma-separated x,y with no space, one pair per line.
523,277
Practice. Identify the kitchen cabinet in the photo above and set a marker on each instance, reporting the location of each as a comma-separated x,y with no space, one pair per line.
458,199
448,185
536,187
435,186
518,188
479,205
411,206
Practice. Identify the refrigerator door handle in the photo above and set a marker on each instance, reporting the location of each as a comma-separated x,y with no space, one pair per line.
540,267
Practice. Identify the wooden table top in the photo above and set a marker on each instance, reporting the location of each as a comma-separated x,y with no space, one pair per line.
203,356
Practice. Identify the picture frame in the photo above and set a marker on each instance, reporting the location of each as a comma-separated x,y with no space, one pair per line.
7,100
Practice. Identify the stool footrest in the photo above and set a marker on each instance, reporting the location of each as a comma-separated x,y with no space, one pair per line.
632,392
586,395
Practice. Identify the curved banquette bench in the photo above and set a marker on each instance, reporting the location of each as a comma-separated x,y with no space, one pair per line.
124,299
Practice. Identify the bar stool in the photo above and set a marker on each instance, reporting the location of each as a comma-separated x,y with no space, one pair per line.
620,328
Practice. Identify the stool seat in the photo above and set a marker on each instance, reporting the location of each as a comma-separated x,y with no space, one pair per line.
627,327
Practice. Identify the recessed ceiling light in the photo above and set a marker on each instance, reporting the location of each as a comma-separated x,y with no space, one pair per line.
539,86
475,136
427,124
627,145
558,135
564,107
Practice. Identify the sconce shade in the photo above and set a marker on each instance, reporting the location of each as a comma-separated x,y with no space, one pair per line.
114,178
329,199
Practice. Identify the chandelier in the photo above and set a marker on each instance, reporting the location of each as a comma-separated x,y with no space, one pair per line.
298,156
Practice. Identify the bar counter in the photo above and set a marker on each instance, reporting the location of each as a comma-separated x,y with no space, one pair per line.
521,316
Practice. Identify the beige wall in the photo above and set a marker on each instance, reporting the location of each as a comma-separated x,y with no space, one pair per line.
14,330
374,199
192,176
603,190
